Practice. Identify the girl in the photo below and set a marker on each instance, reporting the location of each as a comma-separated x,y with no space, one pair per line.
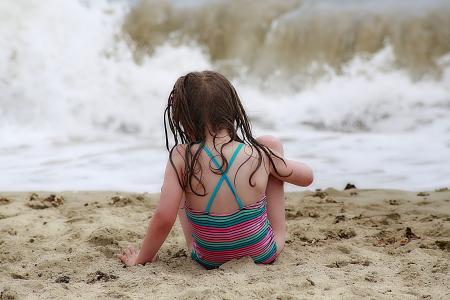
225,185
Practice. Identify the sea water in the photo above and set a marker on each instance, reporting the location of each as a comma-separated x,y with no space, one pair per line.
358,90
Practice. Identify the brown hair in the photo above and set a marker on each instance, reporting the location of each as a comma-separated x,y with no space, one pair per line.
202,102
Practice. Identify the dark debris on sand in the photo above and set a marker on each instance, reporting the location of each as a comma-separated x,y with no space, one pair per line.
4,200
319,193
443,245
410,235
423,194
349,186
394,202
100,276
63,279
120,201
340,218
293,213
53,200
180,253
345,233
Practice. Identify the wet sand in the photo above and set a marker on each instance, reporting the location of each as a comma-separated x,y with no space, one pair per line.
352,244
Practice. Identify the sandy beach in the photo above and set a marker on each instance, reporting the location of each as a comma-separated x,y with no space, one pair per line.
352,244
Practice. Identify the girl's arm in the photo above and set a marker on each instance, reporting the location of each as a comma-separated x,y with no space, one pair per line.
163,219
300,174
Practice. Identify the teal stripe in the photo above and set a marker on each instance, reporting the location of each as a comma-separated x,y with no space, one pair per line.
219,218
210,221
225,219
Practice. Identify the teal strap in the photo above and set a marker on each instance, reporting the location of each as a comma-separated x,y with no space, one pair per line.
223,177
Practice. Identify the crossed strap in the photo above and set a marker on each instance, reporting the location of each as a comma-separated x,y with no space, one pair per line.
223,178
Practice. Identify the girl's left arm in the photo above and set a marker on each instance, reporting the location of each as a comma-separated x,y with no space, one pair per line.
162,220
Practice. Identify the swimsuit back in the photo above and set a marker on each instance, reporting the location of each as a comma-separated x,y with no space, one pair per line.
219,238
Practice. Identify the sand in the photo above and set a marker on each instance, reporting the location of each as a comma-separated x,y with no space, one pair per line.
348,244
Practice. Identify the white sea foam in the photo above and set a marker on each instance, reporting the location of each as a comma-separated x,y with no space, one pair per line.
77,112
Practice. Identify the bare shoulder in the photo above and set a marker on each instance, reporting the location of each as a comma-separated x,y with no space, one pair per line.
254,155
275,159
271,142
177,155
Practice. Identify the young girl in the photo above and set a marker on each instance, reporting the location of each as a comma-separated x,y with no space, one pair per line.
225,185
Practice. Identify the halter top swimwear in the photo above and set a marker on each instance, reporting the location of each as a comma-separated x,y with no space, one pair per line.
219,238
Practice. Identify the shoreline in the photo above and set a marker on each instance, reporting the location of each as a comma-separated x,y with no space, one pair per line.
340,244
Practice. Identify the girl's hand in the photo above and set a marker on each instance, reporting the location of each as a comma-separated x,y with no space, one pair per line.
129,256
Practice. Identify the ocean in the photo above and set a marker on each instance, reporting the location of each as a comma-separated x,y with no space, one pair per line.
358,90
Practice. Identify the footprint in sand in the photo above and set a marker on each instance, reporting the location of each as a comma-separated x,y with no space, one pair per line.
8,293
104,236
106,239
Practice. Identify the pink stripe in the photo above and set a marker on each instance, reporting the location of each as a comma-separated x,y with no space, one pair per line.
237,231
225,255
247,232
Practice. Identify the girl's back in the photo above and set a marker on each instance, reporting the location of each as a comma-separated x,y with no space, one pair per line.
239,173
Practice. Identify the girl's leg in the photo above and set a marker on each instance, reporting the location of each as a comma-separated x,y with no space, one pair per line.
275,196
185,225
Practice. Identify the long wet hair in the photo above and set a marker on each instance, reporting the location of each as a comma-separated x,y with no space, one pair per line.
201,103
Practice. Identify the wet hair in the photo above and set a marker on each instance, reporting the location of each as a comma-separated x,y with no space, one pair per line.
201,103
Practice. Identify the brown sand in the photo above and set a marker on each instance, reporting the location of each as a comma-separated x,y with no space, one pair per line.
341,244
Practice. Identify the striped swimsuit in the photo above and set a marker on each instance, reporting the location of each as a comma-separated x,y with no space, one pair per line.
220,238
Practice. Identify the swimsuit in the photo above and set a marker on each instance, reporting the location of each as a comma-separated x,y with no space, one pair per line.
219,238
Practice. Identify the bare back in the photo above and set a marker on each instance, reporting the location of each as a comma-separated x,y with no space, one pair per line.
224,201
